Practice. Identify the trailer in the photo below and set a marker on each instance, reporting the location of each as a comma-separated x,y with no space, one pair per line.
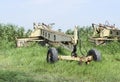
103,33
92,55
44,34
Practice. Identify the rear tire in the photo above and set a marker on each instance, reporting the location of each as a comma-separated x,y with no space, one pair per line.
95,53
52,55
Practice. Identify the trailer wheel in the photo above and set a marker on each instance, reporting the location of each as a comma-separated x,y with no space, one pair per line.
95,53
52,55
74,54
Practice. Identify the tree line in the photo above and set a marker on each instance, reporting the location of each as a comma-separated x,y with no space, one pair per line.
9,33
83,32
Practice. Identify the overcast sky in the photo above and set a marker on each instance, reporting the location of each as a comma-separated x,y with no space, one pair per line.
64,13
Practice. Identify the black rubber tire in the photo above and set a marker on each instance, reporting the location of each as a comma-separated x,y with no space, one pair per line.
73,54
95,53
52,55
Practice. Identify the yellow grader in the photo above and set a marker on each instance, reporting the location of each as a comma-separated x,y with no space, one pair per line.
43,33
103,33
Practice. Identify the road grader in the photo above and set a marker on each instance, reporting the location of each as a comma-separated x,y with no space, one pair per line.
104,33
44,34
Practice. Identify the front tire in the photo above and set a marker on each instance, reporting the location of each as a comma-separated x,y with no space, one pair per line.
52,55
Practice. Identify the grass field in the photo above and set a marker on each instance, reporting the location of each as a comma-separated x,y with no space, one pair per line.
29,65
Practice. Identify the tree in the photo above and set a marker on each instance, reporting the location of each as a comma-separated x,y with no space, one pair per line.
8,34
69,31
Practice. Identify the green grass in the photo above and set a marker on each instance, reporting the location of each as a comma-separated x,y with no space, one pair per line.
29,65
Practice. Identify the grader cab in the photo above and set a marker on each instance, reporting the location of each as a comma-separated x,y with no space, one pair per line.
103,33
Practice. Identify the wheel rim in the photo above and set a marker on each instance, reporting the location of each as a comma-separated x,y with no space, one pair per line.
49,57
